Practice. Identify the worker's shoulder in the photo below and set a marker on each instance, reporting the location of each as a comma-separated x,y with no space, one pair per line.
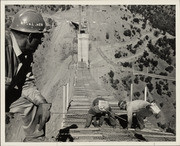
137,103
98,98
8,40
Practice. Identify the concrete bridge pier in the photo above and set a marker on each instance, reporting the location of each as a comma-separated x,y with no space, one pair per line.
83,48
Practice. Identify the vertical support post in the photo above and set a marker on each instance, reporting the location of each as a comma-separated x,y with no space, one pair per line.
80,11
64,98
133,69
98,75
145,93
131,96
67,93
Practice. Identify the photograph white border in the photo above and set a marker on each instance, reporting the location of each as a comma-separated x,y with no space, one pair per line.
87,2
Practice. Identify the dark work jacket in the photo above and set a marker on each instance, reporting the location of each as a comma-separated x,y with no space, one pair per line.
21,82
94,110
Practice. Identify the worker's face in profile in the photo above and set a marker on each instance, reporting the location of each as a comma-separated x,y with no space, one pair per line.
33,41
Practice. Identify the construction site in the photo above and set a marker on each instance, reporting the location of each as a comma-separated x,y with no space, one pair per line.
77,63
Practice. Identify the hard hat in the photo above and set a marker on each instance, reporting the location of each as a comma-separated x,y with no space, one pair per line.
28,20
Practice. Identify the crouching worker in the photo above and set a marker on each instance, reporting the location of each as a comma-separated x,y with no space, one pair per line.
139,109
22,97
98,112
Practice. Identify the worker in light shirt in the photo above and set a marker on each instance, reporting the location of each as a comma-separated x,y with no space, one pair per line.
140,109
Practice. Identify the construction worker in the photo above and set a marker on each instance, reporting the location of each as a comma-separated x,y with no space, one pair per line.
100,111
21,94
140,109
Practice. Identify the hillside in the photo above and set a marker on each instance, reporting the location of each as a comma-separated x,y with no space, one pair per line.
120,40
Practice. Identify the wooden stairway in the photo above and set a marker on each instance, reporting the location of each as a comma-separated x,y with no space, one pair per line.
85,91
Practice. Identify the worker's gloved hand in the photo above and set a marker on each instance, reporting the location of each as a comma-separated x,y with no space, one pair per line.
44,114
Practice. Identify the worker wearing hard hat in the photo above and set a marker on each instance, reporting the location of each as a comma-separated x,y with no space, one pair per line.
22,96
98,112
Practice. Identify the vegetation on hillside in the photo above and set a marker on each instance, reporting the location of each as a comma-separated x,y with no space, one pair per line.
49,9
161,16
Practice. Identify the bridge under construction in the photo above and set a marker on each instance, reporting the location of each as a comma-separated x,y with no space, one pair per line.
79,92
76,107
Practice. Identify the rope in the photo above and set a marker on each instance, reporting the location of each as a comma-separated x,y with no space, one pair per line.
115,115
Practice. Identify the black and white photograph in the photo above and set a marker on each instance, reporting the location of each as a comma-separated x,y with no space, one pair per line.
89,73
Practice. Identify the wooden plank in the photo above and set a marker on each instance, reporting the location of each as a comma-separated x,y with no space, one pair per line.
80,104
86,129
151,131
81,108
88,135
162,136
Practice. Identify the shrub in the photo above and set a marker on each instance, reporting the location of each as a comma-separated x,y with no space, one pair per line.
140,67
148,79
150,87
161,104
156,33
129,47
137,94
165,87
174,82
163,74
142,78
116,34
118,55
146,63
143,26
136,80
116,81
107,35
168,93
163,126
154,63
139,30
111,74
161,82
127,33
136,46
136,20
126,64
133,31
140,42
159,90
145,54
50,21
169,60
114,86
146,37
174,104
111,80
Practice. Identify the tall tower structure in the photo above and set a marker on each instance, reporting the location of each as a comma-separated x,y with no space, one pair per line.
83,36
